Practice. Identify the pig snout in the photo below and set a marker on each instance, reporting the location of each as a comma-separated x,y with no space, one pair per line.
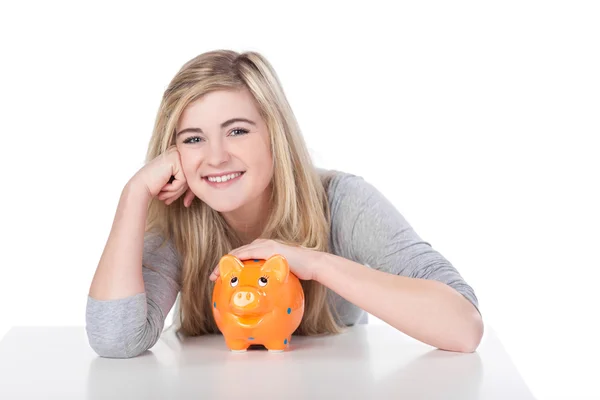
245,301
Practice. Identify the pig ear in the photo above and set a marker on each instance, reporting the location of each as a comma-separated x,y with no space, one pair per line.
278,266
228,265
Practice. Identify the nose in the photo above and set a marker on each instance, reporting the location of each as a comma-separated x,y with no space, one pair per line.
218,153
244,299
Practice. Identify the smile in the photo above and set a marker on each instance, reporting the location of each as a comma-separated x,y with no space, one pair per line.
224,178
223,181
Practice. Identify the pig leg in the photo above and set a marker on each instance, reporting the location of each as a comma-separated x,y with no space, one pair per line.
277,345
237,345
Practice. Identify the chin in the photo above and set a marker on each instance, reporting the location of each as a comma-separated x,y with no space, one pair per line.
221,206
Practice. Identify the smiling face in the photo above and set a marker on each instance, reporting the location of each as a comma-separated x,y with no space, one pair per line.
218,137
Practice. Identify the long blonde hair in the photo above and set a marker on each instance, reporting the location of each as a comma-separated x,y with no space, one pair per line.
300,211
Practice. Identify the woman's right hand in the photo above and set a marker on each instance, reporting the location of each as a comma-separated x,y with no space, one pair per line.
154,177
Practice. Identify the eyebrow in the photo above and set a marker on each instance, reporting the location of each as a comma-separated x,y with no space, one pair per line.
223,125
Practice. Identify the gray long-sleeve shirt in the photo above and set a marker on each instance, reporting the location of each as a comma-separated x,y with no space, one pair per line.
365,227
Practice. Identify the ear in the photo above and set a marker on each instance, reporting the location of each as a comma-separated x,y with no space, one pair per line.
228,265
278,266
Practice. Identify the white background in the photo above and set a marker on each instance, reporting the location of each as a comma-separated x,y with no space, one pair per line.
480,123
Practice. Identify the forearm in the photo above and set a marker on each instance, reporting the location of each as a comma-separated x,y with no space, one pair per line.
119,272
427,310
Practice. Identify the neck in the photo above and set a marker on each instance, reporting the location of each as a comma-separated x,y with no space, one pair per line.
249,220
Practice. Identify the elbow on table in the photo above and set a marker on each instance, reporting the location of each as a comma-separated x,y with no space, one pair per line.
467,339
468,346
112,349
472,338
120,348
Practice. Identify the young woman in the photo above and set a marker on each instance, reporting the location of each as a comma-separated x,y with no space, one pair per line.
228,171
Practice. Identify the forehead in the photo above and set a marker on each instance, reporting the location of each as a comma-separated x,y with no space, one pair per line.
213,108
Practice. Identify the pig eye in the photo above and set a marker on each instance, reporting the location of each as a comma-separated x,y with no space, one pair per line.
234,281
262,281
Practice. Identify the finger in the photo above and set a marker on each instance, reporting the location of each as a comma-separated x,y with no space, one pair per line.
178,173
237,251
171,187
254,252
215,274
189,197
176,182
165,195
245,246
170,197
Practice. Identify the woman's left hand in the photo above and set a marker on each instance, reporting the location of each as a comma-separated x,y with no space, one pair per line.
302,261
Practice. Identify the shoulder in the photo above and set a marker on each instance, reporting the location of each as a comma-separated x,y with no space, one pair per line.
351,199
336,181
346,188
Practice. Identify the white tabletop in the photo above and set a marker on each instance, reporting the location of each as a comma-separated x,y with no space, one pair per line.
367,362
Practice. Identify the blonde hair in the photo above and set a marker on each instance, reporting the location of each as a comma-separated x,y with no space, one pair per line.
300,211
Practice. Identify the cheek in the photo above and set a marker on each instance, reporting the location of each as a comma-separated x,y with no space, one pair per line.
265,163
262,158
189,161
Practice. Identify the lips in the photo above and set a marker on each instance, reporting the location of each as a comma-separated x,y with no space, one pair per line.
222,174
223,185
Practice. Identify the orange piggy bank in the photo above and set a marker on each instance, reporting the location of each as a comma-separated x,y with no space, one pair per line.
257,302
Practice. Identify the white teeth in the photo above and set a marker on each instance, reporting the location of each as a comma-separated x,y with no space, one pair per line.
224,178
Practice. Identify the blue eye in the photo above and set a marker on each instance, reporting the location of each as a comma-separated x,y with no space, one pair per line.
192,139
242,131
234,133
